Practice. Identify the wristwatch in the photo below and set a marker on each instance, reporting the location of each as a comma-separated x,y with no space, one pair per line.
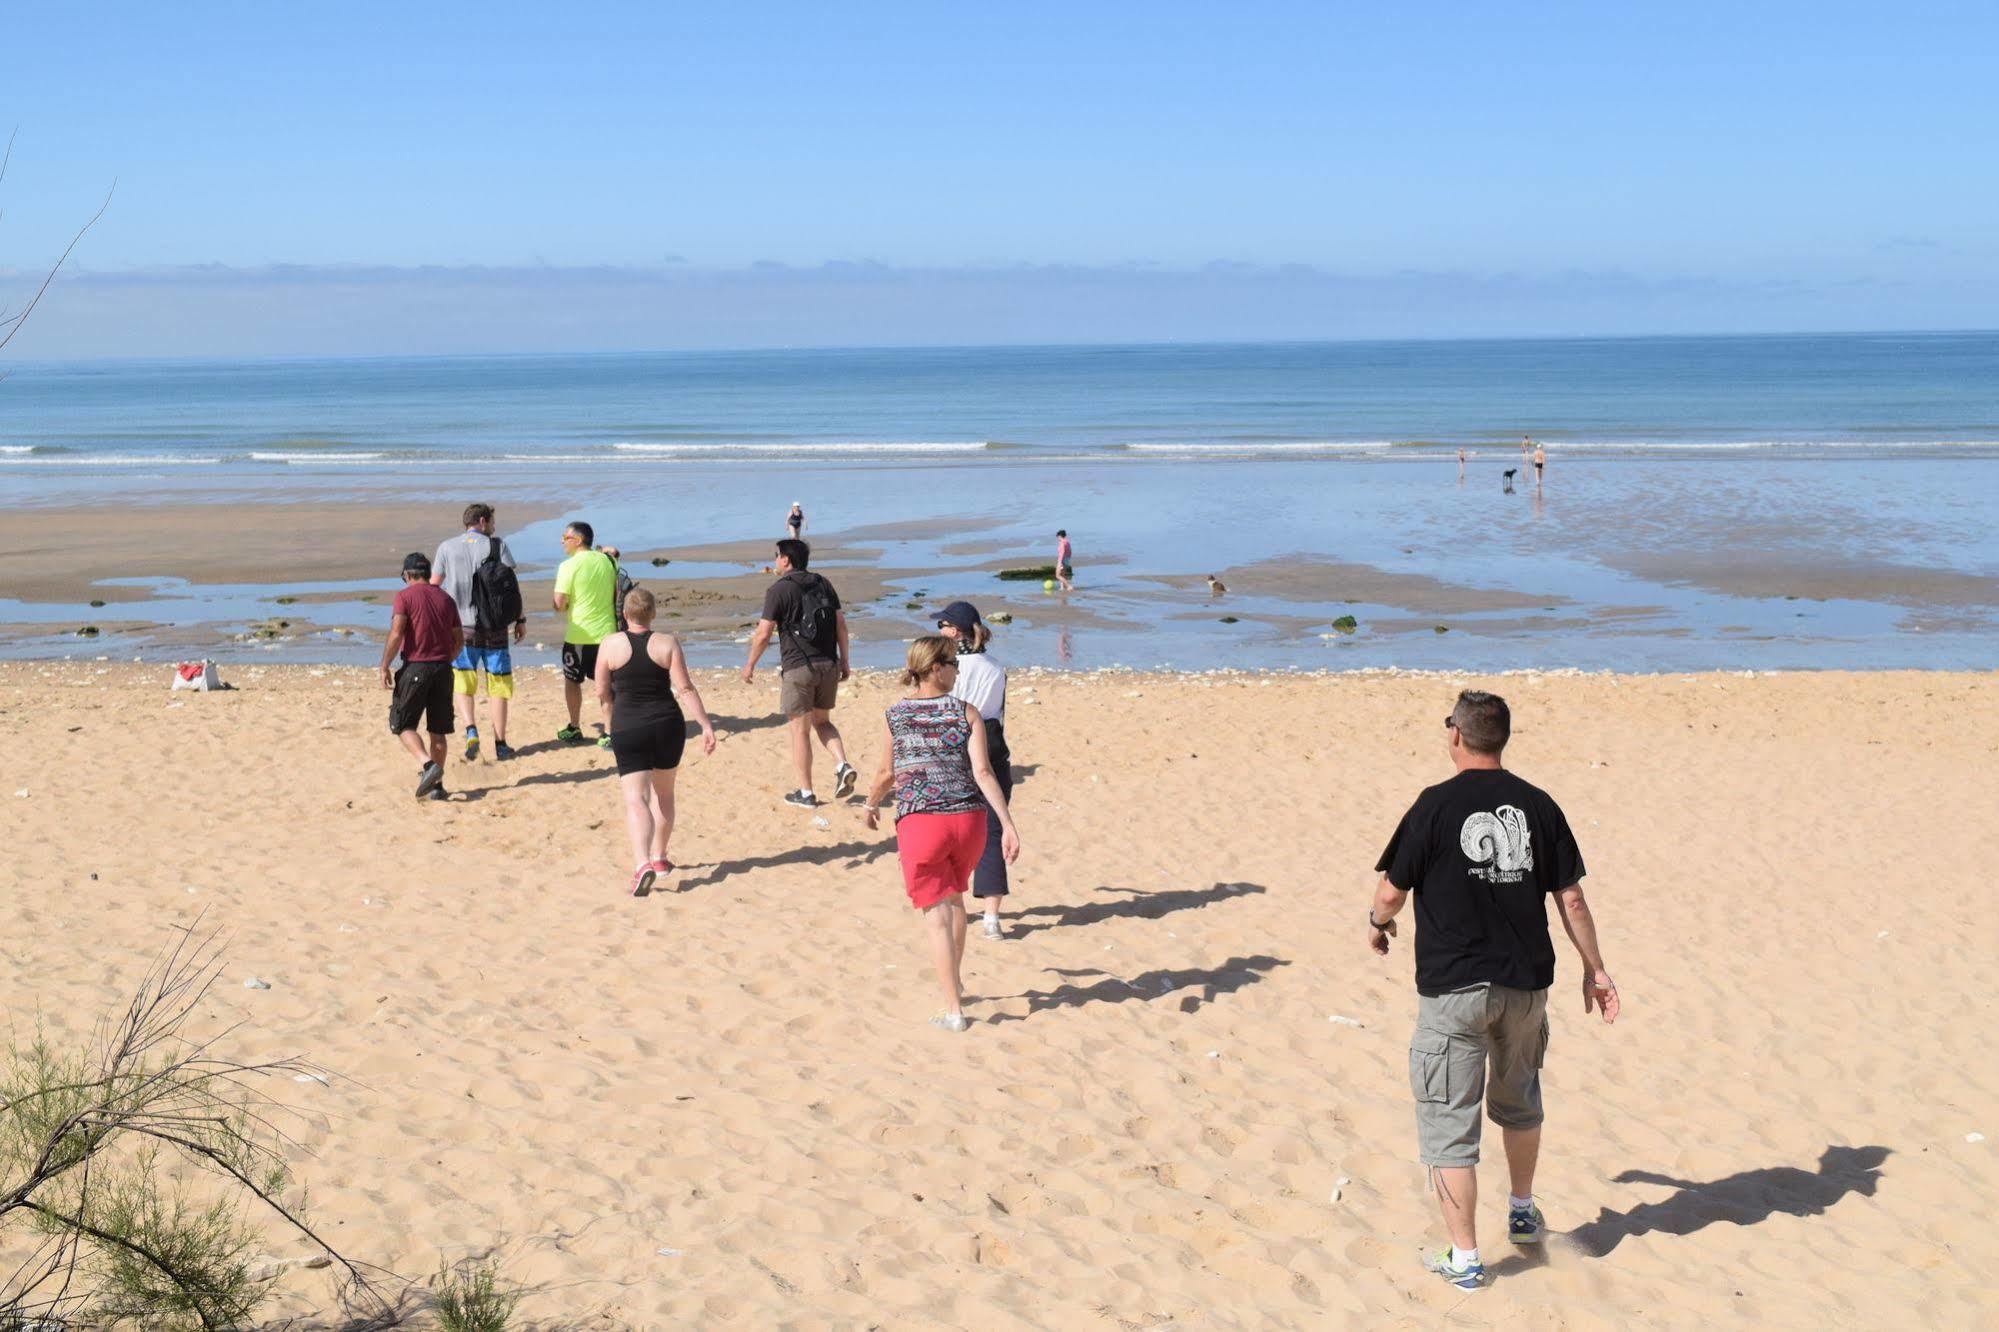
1382,926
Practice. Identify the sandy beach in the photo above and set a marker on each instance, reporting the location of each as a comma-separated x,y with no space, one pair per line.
721,1106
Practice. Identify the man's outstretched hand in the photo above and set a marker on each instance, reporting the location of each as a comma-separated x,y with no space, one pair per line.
1600,993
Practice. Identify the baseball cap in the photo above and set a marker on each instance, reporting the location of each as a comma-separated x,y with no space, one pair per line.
962,614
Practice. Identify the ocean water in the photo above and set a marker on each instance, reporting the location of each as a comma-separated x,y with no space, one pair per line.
1869,394
1776,502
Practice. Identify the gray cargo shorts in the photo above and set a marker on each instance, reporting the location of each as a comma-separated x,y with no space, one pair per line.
1457,1035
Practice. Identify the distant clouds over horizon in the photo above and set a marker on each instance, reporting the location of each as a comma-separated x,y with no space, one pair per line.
305,309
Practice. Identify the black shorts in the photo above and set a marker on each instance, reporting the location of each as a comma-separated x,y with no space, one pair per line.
579,662
423,693
652,746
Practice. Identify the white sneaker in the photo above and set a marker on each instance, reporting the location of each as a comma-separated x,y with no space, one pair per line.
991,929
950,1021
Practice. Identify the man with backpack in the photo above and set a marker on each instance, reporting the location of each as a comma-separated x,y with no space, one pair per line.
803,610
476,570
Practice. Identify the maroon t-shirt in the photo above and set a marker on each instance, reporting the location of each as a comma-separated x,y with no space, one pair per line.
433,615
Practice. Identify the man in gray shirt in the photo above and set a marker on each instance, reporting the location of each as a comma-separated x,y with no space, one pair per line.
486,646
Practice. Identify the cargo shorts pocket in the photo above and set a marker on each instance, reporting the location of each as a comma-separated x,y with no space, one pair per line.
1430,1066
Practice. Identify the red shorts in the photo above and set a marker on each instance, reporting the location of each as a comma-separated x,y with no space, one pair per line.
938,853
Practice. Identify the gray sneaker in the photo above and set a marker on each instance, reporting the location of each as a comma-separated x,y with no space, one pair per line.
844,779
429,779
802,799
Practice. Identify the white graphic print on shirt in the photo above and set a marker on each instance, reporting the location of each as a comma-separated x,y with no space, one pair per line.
1498,844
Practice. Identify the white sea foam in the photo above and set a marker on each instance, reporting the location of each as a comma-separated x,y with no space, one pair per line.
112,460
17,448
836,447
1273,447
315,457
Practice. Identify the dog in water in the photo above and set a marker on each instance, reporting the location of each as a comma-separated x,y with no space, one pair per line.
1508,487
1215,586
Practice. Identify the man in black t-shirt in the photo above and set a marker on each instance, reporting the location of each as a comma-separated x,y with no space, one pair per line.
803,610
1481,853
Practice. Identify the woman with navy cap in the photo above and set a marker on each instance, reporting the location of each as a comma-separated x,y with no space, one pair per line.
982,685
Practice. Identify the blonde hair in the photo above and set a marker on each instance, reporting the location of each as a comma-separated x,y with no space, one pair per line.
639,605
975,638
926,654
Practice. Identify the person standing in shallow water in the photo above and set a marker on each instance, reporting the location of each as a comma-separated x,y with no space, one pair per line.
1065,555
934,759
794,522
1482,853
981,685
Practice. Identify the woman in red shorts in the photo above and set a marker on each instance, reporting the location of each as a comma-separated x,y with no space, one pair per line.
936,762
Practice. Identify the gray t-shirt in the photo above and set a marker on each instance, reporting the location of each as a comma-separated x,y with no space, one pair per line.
453,567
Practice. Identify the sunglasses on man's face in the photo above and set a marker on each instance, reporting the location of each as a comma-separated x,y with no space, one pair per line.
1450,723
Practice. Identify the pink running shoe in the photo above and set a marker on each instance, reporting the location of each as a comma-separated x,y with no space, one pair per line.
642,878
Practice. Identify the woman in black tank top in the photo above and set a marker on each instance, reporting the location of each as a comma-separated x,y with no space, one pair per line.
642,681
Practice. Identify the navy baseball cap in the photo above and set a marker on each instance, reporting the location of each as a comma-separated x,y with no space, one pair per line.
962,614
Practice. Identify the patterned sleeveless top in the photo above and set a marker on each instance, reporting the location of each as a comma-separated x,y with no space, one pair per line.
933,761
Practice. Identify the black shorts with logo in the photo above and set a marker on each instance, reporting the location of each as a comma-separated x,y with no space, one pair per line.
423,693
579,662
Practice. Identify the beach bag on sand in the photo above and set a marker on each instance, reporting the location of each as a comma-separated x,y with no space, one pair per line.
496,593
200,675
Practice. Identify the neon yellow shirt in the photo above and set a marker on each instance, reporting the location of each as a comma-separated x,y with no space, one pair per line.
590,580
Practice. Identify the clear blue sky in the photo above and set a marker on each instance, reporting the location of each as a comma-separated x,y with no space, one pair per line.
1793,165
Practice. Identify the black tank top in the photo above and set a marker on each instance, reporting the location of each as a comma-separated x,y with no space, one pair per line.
642,689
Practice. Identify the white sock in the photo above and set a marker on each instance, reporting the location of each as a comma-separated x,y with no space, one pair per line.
1520,1204
805,790
992,914
1463,1257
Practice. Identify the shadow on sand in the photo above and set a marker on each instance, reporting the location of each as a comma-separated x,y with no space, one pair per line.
1134,905
853,853
1201,983
1741,1199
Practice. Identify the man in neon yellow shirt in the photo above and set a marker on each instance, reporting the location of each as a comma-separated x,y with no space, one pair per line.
586,590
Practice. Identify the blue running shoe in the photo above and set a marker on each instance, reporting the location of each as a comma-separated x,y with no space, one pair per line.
1469,1276
1524,1225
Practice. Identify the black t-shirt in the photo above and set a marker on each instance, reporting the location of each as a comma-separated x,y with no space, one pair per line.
1481,852
784,604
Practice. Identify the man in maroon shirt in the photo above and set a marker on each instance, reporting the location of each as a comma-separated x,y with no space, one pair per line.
424,627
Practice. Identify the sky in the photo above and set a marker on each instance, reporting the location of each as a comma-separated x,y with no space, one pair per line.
374,179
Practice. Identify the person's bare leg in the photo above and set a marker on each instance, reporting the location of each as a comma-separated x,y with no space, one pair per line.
1457,1196
662,811
468,711
496,708
572,694
937,923
415,743
958,940
637,787
800,728
829,735
1523,1153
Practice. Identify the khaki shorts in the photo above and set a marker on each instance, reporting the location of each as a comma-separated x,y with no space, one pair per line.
809,687
1457,1036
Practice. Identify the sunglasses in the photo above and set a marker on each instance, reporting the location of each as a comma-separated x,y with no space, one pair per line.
1450,723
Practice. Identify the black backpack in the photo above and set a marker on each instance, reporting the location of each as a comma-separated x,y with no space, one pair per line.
622,584
816,630
496,593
